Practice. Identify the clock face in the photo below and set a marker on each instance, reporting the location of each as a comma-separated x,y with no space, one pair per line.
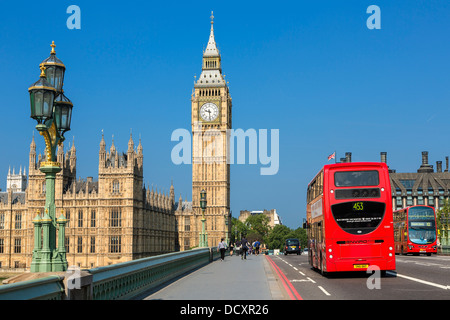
209,111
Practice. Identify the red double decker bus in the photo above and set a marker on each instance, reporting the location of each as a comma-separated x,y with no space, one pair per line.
415,230
349,218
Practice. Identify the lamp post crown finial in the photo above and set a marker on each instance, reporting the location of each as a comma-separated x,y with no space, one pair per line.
42,67
53,48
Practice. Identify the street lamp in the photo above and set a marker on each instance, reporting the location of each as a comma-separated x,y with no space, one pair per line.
53,112
227,218
203,235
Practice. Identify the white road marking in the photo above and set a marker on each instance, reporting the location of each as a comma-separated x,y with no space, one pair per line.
420,281
324,291
310,279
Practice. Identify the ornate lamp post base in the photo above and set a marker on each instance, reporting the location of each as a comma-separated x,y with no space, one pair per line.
51,258
203,241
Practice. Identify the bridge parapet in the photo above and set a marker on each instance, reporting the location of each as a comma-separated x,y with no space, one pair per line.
118,281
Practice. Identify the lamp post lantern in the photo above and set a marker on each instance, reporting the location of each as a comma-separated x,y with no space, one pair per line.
203,235
53,112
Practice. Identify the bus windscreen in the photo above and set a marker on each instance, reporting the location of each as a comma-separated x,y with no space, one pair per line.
422,227
358,217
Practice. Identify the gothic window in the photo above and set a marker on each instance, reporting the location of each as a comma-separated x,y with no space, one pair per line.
115,244
17,245
80,245
68,219
80,219
2,221
2,245
92,244
93,219
18,221
116,186
115,217
187,244
187,224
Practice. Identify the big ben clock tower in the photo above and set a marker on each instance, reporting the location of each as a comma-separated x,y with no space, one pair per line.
211,117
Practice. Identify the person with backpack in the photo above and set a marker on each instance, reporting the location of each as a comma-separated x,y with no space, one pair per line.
257,245
244,248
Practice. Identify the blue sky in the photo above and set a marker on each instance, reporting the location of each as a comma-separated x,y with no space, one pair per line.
311,69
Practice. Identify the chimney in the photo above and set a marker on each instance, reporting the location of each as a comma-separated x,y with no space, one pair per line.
438,166
424,157
348,157
383,157
425,167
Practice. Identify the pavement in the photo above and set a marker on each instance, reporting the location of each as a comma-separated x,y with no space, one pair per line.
232,279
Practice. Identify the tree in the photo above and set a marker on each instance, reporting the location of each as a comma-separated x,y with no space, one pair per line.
442,216
258,225
277,237
238,229
279,234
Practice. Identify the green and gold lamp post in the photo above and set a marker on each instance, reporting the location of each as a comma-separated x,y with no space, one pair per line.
203,235
53,112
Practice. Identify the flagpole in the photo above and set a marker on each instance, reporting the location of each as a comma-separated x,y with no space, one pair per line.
335,156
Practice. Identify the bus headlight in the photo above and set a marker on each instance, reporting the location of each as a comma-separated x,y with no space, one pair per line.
390,248
330,250
331,257
390,254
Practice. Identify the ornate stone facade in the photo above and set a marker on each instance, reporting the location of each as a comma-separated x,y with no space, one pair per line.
114,219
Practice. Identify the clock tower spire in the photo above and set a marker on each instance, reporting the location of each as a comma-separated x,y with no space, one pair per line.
211,117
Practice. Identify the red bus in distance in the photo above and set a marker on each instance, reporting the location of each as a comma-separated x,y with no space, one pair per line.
415,230
349,218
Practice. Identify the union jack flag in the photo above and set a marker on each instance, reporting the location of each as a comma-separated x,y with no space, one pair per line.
332,156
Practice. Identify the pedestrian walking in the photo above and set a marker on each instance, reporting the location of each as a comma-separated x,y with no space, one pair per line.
238,247
257,245
244,248
222,247
231,249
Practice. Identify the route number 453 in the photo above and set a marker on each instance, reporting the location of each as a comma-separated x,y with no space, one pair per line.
358,206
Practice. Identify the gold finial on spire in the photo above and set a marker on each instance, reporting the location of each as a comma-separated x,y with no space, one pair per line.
212,17
53,48
42,67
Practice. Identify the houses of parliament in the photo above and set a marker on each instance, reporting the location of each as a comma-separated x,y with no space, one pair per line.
117,218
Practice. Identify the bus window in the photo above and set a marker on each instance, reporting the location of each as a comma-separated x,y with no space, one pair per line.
356,178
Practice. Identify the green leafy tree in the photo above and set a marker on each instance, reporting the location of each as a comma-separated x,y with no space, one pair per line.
277,237
238,229
442,216
258,226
